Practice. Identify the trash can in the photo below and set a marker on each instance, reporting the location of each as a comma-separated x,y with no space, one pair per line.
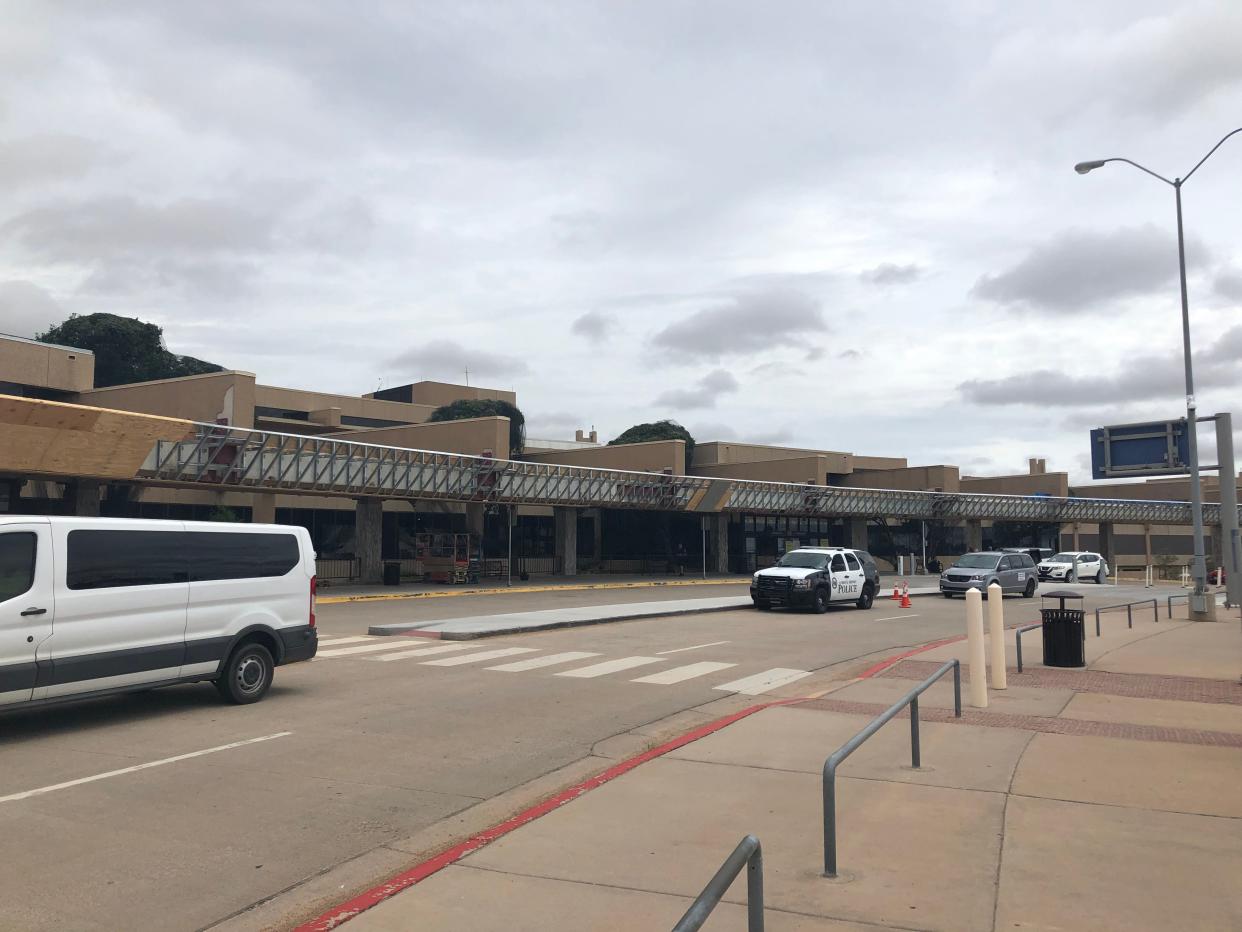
1064,630
392,573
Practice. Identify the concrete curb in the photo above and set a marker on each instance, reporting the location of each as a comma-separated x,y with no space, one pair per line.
417,629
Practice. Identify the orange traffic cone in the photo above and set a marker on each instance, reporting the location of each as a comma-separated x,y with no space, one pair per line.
905,600
896,592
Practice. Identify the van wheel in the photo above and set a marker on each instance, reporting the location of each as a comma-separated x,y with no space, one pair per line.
247,674
1100,578
1029,592
867,598
820,603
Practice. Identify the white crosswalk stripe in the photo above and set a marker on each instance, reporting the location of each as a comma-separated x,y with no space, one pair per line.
475,658
762,682
681,674
424,652
534,663
610,666
377,644
342,641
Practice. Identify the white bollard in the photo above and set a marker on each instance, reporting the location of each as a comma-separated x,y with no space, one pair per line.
996,631
978,656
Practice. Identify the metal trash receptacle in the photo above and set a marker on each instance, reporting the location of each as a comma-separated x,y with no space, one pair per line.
392,573
1064,631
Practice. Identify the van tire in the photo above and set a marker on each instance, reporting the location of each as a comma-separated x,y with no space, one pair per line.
1029,592
867,599
820,600
1100,578
247,674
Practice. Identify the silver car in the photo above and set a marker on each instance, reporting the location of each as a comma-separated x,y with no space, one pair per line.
1013,572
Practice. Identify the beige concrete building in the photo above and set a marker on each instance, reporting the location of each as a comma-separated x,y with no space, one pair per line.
38,475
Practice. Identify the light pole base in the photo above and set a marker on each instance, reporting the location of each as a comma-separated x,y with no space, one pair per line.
1203,608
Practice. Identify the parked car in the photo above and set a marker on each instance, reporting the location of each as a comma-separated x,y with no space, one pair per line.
1217,577
1091,566
90,606
1013,572
816,577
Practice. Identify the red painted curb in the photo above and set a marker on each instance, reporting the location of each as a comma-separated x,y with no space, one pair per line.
364,901
897,658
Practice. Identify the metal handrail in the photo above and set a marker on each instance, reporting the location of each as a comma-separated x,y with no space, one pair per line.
1018,638
749,853
1184,595
1129,607
834,760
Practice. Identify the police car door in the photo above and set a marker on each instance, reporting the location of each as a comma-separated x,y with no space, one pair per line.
846,581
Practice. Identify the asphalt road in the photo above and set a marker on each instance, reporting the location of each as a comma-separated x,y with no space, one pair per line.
360,751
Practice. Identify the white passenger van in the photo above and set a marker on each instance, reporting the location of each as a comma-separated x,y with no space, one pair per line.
98,605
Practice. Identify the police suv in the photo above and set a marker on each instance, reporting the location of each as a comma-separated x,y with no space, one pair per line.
816,577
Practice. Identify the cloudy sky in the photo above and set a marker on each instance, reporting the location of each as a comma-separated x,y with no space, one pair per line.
844,225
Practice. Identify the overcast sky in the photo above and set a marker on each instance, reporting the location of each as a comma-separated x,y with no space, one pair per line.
852,226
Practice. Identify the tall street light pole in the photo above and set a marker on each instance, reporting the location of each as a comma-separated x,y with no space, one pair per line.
1198,570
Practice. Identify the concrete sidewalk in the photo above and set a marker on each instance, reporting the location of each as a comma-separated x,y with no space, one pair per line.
1102,798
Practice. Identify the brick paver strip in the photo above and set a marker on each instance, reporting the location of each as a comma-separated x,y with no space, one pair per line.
1136,685
1040,723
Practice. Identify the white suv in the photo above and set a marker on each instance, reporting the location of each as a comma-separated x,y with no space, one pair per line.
1091,566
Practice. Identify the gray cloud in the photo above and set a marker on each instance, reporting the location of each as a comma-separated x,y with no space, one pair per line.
45,157
733,326
815,353
26,309
111,227
448,359
1228,285
850,354
888,273
594,325
1143,378
705,394
1083,270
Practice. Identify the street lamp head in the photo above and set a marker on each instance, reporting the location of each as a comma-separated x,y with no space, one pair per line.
1083,167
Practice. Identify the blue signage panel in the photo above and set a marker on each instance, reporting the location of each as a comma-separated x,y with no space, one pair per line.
1157,448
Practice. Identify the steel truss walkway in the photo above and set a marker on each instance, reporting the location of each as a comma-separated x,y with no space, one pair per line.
238,458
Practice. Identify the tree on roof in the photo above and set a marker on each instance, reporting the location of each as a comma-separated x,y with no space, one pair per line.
657,430
487,407
126,349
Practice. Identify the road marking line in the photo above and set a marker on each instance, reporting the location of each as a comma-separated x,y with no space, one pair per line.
678,674
147,766
424,651
475,658
895,617
610,666
695,647
384,644
534,663
762,682
341,642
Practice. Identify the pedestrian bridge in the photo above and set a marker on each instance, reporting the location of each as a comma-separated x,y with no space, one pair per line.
237,458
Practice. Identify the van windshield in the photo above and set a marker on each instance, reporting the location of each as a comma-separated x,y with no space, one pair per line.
805,561
977,561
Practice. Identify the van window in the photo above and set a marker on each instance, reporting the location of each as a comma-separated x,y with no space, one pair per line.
17,564
852,562
838,564
108,559
229,555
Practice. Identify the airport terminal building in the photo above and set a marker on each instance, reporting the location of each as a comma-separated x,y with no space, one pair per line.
68,447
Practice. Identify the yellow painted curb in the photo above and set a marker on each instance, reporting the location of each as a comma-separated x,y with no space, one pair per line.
392,596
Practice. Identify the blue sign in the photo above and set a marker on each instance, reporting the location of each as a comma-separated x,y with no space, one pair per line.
1157,448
